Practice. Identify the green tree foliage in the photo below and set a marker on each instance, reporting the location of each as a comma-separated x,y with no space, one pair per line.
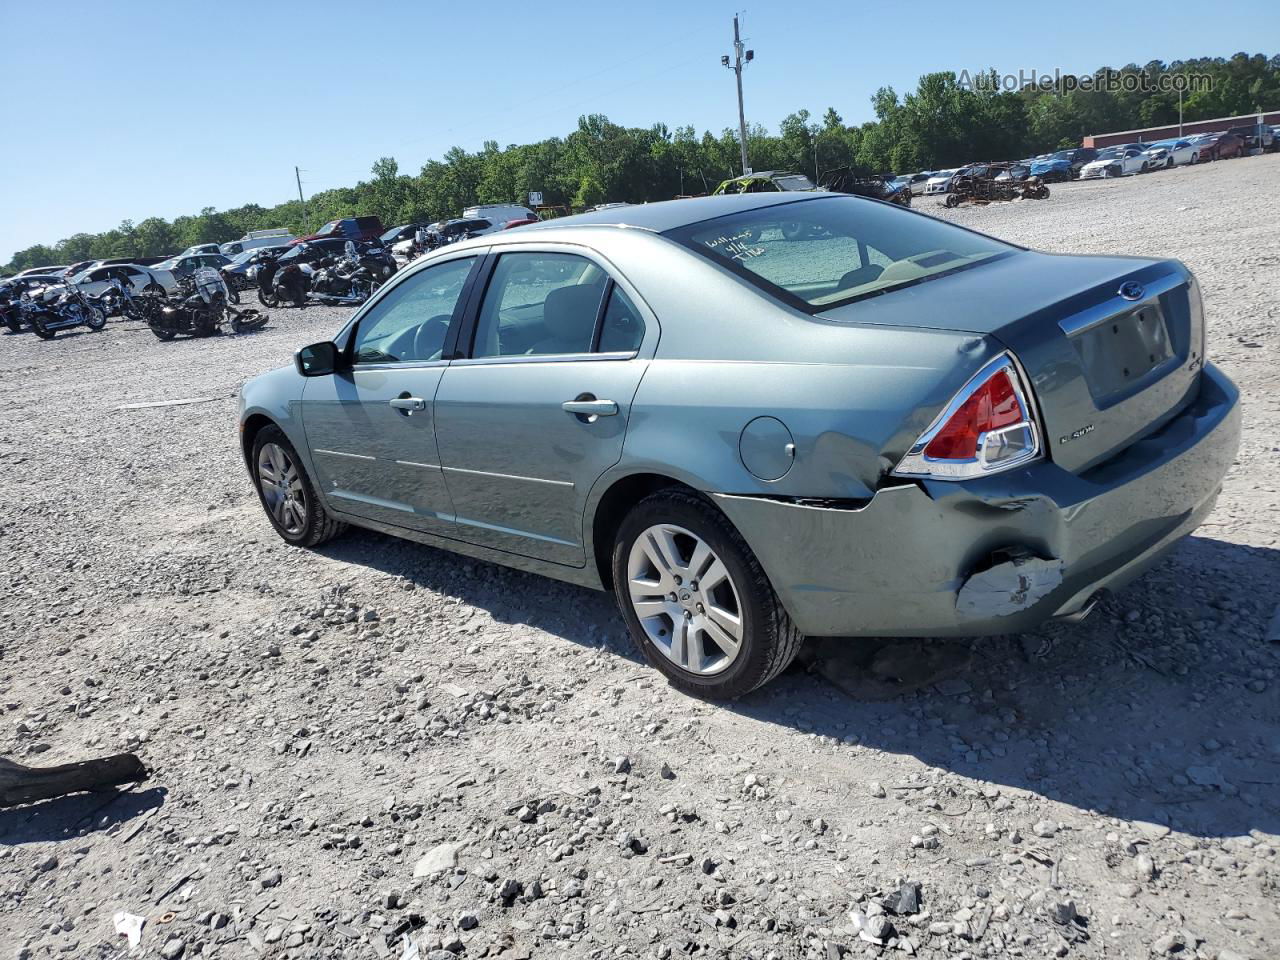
944,122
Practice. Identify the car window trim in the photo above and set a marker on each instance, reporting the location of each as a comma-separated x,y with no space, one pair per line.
464,355
546,358
352,330
601,310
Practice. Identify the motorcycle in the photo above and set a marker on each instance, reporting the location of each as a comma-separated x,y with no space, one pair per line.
423,241
278,285
119,299
11,305
60,306
201,308
350,280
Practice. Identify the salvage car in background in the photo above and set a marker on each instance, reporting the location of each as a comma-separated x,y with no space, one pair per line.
1218,146
365,229
97,280
766,181
168,272
760,417
1117,162
1063,165
1172,153
940,182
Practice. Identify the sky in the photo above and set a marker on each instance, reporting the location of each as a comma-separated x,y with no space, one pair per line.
129,110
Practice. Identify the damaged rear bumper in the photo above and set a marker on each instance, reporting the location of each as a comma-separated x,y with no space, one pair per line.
998,554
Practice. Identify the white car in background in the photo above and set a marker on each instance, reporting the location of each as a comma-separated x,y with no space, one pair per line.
1117,162
1172,153
97,278
498,214
940,182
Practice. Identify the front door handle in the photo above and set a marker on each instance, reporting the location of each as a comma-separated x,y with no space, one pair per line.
591,407
408,404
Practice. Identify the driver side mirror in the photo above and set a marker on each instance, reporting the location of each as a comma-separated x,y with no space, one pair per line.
317,359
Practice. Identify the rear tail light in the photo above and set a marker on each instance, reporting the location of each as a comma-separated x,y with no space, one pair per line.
987,427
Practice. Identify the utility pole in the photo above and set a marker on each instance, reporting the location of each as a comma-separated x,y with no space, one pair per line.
741,58
1179,111
297,175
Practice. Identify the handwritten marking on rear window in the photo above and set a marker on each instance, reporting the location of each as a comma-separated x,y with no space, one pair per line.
736,246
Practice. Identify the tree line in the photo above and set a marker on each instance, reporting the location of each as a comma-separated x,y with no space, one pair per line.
946,121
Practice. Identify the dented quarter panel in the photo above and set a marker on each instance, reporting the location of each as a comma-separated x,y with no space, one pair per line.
897,566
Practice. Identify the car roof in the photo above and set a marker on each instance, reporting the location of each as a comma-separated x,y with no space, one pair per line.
671,214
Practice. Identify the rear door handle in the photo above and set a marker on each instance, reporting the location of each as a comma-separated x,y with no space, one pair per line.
591,408
408,404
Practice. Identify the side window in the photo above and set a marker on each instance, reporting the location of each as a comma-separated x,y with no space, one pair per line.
539,304
622,329
410,322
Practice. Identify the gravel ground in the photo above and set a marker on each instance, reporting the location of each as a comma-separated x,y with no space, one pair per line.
382,750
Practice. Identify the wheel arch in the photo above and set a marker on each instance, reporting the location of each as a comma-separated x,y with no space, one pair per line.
614,503
252,426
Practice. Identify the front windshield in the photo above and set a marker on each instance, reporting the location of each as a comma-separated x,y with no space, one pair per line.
391,234
244,257
1109,154
820,253
1061,155
328,227
793,181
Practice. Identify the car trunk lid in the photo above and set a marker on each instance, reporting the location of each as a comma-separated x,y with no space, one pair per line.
1113,346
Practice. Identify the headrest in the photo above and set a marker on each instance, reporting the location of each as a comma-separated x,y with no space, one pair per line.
570,312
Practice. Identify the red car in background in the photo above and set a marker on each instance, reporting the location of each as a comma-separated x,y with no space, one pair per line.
1220,146
367,229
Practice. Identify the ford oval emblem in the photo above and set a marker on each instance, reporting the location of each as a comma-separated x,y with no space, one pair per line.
1132,290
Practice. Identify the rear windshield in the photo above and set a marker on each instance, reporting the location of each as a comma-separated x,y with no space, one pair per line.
817,254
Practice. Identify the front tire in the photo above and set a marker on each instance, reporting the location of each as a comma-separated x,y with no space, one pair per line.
97,318
696,600
286,492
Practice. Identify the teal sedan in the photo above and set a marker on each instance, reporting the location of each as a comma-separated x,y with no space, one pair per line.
761,417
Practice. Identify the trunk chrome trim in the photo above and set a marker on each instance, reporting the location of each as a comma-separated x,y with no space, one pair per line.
1108,309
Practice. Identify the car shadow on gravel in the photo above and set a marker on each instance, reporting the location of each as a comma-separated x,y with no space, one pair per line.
1162,707
583,616
77,815
1144,711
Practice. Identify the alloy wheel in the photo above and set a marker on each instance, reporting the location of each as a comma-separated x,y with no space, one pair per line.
282,489
685,599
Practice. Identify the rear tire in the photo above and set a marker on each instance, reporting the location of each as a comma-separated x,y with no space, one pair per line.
41,330
286,492
97,318
690,639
